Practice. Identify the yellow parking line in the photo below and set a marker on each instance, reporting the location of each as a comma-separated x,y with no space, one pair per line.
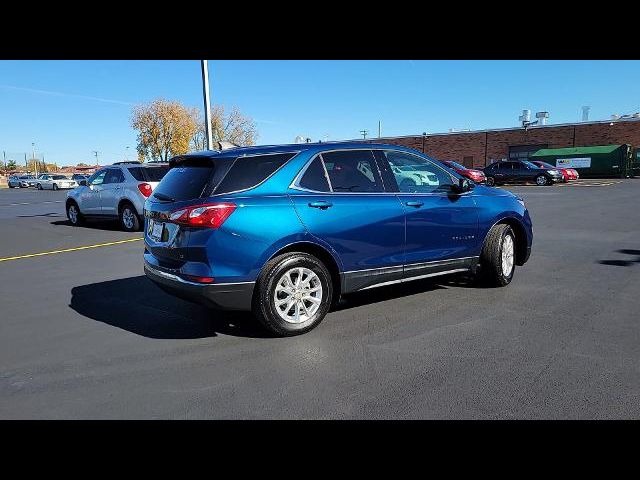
108,244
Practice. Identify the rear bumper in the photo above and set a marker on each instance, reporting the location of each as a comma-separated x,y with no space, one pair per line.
224,296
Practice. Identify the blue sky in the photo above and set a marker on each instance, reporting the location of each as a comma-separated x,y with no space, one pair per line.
70,108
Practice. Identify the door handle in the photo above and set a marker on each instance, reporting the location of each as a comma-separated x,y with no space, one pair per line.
322,205
414,204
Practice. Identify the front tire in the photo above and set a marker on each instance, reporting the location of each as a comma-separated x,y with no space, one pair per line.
293,294
497,259
491,182
39,187
542,180
74,215
55,186
129,218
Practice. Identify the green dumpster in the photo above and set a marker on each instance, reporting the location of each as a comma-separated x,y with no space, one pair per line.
596,161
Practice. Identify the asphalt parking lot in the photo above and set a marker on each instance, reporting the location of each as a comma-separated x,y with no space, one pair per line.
83,334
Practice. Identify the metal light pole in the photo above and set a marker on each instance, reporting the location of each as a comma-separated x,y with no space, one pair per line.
379,128
207,105
33,157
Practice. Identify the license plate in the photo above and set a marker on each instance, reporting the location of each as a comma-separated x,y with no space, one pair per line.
156,230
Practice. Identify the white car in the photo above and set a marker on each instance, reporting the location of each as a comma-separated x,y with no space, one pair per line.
54,182
117,191
412,176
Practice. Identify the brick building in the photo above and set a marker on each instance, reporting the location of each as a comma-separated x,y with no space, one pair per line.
482,147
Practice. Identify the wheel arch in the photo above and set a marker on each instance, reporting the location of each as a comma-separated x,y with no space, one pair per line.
124,200
321,254
521,237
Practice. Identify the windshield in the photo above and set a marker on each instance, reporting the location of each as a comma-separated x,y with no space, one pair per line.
530,165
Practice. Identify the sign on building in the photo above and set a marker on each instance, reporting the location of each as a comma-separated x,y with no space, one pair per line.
578,162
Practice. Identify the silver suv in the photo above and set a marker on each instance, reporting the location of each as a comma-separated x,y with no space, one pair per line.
117,191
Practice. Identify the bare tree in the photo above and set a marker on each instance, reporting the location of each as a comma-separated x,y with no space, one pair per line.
232,127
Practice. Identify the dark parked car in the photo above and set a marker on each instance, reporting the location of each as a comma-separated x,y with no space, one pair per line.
286,230
78,176
521,171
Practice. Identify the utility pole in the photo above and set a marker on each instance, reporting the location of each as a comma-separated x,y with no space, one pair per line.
207,105
364,133
127,154
379,129
95,152
33,157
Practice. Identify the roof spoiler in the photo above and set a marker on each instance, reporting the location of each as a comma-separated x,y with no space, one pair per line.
226,145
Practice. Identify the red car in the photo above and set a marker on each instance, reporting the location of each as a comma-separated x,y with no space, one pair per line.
567,173
477,176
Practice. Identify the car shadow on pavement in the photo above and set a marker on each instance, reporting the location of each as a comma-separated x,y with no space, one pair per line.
137,305
109,225
623,263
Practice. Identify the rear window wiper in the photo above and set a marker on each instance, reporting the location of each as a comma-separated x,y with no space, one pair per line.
165,198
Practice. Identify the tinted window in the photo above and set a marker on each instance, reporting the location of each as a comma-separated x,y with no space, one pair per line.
314,177
148,174
352,171
114,175
97,178
59,177
416,174
185,182
247,172
526,164
453,164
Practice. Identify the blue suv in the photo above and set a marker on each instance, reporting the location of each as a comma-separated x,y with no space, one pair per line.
286,230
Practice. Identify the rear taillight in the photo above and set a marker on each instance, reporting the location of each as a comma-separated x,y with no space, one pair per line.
145,189
197,279
210,215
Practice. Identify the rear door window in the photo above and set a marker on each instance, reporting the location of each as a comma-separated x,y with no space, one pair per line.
148,174
352,171
247,172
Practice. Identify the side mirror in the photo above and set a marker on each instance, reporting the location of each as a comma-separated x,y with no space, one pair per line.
83,183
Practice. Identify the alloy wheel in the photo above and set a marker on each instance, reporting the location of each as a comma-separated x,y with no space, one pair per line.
298,295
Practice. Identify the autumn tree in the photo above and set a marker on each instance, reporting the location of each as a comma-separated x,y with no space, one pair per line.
165,128
230,126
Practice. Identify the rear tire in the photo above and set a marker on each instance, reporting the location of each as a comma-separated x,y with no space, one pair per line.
293,294
74,215
129,218
497,259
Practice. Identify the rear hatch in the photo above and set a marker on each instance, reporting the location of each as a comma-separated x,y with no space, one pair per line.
189,180
180,216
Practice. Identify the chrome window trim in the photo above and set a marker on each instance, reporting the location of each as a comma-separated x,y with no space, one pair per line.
294,185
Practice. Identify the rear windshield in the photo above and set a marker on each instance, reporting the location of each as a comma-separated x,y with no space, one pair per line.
148,174
58,177
185,182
